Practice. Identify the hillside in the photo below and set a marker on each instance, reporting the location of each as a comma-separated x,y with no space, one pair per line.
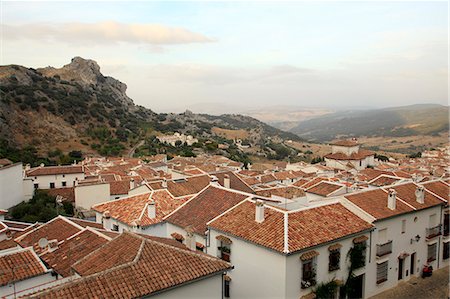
76,107
390,122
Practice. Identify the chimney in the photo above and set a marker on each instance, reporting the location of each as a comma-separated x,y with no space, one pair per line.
420,194
226,181
52,245
190,239
27,166
259,214
151,210
8,234
132,184
106,215
164,183
41,165
214,180
392,201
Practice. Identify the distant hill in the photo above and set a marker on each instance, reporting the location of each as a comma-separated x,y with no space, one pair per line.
426,119
76,107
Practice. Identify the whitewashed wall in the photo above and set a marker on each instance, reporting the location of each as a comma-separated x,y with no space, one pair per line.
11,186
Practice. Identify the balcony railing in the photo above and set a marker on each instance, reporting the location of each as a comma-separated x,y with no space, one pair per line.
446,229
434,231
383,249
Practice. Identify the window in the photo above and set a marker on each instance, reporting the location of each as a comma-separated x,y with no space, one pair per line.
431,252
403,226
64,184
446,224
224,251
432,221
115,227
64,175
52,185
446,251
36,186
308,273
360,163
334,260
382,236
382,272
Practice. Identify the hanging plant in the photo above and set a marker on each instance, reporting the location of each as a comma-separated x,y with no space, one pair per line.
326,290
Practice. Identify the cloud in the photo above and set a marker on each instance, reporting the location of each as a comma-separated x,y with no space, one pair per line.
105,33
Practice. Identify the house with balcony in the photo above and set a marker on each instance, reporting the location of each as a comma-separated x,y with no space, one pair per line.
406,236
278,253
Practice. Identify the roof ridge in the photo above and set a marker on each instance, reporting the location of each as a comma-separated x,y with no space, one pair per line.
286,233
228,210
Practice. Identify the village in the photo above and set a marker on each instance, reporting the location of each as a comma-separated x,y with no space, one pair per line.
352,226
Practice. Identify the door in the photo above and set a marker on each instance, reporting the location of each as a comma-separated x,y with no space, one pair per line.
400,268
413,264
356,287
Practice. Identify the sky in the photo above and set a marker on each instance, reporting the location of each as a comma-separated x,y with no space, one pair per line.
245,55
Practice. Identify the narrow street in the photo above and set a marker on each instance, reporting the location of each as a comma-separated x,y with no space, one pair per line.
133,149
434,287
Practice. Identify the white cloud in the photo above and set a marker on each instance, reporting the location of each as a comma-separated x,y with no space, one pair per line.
104,33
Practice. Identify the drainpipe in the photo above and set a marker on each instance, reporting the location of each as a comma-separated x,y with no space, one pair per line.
223,274
370,247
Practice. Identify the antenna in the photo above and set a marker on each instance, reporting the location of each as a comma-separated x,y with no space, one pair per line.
43,242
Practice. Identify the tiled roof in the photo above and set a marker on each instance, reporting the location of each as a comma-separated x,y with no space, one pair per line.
134,208
119,187
202,208
68,193
285,192
73,249
375,202
384,180
58,228
5,162
268,178
16,225
188,186
439,188
51,170
313,182
3,212
324,188
361,154
348,143
85,223
10,243
19,265
306,228
406,192
152,267
236,182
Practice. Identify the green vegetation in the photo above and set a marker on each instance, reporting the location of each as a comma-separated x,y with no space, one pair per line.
42,207
326,290
357,257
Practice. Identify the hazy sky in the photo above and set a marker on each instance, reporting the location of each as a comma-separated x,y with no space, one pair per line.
173,55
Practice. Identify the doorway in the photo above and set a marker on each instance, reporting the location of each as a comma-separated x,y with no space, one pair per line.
400,268
412,266
356,287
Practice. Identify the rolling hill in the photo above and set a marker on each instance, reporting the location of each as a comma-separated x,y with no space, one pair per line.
425,119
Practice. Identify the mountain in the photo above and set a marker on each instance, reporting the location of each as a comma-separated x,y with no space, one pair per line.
424,119
77,107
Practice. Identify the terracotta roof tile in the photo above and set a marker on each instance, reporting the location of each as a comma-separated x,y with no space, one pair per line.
406,192
152,267
289,192
119,187
51,170
361,154
348,143
236,182
204,207
188,186
439,188
67,194
324,188
19,265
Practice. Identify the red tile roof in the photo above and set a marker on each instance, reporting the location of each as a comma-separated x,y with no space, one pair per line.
324,188
289,192
306,228
361,154
67,194
188,186
384,180
19,265
439,188
85,223
52,170
134,208
58,228
151,267
236,182
202,208
406,192
374,202
119,187
348,143
73,249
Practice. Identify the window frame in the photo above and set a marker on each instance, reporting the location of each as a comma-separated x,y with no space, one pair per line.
309,279
334,260
384,271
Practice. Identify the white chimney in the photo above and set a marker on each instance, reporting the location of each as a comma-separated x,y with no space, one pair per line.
420,194
164,183
27,166
190,240
151,210
41,165
226,181
392,201
259,213
132,184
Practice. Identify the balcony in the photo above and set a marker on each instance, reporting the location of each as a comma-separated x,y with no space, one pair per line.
434,231
383,249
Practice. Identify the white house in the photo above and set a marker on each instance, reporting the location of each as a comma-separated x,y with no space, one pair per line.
292,250
11,186
87,195
347,155
407,233
49,177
